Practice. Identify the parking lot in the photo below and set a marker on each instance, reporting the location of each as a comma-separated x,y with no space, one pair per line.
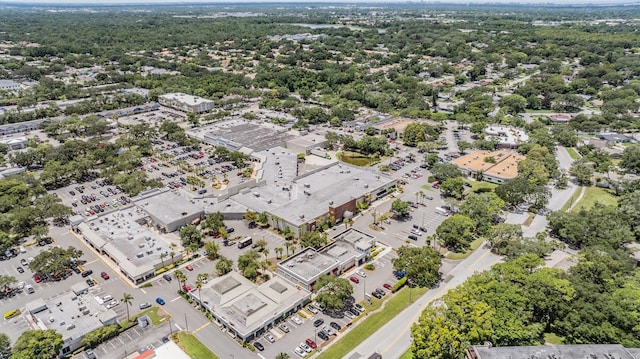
92,197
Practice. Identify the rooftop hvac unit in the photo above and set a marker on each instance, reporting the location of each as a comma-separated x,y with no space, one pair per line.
331,203
150,251
141,245
307,185
366,186
140,255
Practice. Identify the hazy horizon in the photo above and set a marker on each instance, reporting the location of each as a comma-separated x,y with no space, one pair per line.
177,2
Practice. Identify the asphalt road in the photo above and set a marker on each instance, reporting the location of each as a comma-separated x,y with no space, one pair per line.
393,339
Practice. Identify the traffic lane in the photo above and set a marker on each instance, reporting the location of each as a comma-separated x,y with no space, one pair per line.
131,341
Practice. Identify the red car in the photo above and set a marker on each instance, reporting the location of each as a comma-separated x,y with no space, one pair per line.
186,288
189,268
311,343
388,286
104,275
354,279
37,278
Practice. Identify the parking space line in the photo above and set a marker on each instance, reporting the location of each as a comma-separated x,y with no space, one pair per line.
174,299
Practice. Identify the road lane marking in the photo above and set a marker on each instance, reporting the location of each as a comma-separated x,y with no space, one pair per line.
143,291
177,326
201,327
174,299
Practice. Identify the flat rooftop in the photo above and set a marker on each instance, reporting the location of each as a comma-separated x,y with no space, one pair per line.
184,98
166,206
280,167
243,133
507,135
74,315
245,305
124,238
308,264
594,351
505,166
307,140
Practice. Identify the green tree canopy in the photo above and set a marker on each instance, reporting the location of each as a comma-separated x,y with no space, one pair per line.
421,265
332,291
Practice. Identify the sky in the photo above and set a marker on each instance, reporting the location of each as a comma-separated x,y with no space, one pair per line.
151,2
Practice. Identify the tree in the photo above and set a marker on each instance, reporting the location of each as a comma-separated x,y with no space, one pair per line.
631,159
456,232
278,251
282,356
513,104
582,171
163,255
436,336
212,249
443,171
45,344
200,280
190,234
224,266
248,264
250,216
482,208
127,299
400,208
331,291
6,281
420,265
414,133
453,187
56,261
180,277
5,345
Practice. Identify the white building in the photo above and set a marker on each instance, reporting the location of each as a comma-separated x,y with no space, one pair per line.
186,103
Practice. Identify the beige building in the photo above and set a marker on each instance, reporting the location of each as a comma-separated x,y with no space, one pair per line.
491,166
186,103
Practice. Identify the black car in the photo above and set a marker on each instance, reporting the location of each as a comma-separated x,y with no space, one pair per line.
381,291
167,277
376,294
258,346
318,322
90,283
335,325
20,270
165,339
323,336
87,273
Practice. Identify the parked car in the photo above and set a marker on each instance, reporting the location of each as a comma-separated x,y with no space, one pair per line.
349,314
284,328
37,278
160,301
104,275
327,329
87,273
258,346
359,308
20,270
186,288
189,267
323,336
312,309
335,325
145,305
270,338
318,322
311,343
388,286
376,294
305,347
167,277
300,351
354,279
296,320
362,274
90,282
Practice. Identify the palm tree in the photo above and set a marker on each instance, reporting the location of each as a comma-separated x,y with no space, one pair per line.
288,246
283,356
266,253
199,283
278,251
127,299
180,276
162,257
172,254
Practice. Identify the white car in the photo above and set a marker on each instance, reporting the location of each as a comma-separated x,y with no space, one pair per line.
312,309
112,304
296,319
327,329
300,352
305,347
21,285
270,338
362,274
349,315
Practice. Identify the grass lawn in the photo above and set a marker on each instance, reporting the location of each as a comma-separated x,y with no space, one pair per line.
596,194
571,199
192,346
530,218
553,339
573,153
459,256
356,159
155,317
477,186
407,355
371,323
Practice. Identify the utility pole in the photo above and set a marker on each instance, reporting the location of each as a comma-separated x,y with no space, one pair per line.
186,326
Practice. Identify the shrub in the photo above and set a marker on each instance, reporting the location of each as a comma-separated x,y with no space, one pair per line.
370,266
399,284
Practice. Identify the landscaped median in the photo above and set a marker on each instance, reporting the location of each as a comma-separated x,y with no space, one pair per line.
192,346
372,323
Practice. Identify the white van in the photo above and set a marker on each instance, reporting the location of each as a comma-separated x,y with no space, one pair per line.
441,211
107,298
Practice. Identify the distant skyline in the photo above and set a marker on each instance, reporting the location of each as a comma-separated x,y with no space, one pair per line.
178,2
